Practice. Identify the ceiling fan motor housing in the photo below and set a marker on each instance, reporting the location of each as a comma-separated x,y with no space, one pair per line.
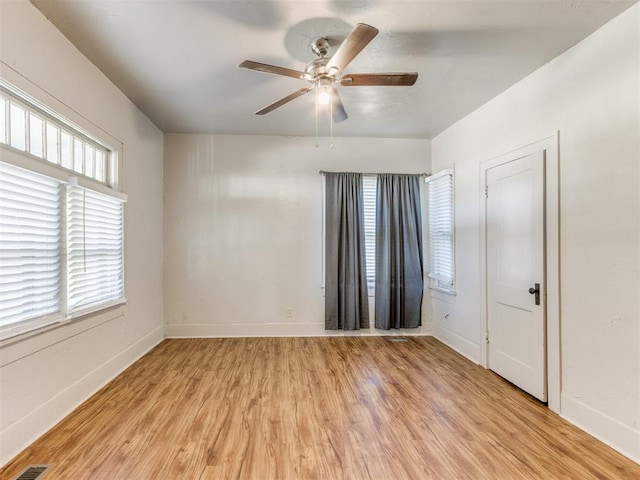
318,73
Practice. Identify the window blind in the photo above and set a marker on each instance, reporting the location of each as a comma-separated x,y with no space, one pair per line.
95,272
369,187
440,231
30,245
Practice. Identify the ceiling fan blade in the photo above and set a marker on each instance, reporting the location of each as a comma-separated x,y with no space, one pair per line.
266,68
337,109
383,79
282,101
359,38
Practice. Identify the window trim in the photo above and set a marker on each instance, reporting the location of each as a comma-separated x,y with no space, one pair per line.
433,283
46,106
44,103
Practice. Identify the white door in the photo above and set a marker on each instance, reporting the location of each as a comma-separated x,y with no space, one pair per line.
515,273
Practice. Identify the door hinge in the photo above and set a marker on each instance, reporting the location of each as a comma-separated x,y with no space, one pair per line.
486,339
486,191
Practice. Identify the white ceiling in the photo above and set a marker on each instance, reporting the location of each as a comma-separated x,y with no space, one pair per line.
176,59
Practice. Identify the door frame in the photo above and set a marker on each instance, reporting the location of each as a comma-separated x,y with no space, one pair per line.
549,146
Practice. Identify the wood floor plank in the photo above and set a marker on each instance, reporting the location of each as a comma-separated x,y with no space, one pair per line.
315,408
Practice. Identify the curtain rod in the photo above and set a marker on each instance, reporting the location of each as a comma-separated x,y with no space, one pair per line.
322,172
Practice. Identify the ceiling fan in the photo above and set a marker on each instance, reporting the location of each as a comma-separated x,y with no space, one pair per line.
323,72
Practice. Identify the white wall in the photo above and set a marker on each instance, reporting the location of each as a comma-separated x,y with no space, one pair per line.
45,376
243,228
590,94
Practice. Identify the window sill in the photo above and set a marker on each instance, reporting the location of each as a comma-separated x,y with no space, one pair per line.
94,309
443,290
17,333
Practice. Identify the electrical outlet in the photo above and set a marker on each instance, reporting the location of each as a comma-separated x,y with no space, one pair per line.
290,312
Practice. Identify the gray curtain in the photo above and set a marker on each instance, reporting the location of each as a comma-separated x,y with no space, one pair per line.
346,298
399,276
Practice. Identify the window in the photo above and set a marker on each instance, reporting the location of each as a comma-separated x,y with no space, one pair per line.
369,187
30,129
61,226
369,193
441,231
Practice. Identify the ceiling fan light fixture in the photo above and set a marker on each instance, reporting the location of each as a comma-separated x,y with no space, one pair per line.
324,88
324,96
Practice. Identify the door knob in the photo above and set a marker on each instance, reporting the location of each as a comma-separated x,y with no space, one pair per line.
536,291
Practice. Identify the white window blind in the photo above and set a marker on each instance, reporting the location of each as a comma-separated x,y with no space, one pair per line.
94,249
440,231
30,245
369,187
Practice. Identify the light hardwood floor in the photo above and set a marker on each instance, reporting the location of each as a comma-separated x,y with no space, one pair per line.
315,408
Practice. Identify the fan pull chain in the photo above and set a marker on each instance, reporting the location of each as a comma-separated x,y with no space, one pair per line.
331,119
84,229
316,89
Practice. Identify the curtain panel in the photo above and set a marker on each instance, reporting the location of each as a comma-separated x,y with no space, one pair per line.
399,269
346,296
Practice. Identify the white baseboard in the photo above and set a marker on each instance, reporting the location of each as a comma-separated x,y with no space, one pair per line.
275,330
617,435
463,346
21,434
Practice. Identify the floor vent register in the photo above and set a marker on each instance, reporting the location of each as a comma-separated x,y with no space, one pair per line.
33,472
